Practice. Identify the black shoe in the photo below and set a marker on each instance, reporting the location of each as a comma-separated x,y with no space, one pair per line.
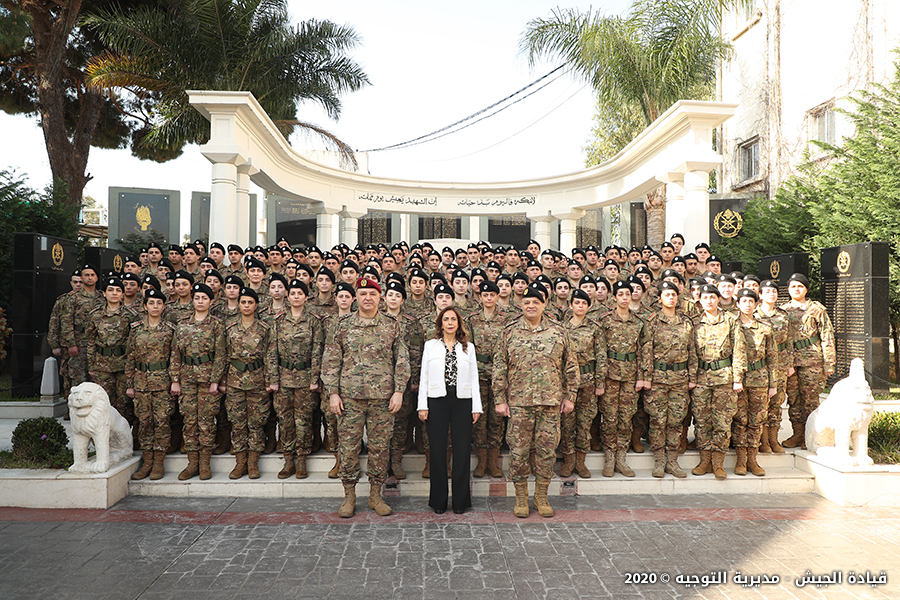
459,511
439,511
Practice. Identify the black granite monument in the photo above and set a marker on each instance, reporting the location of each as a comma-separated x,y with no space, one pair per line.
779,269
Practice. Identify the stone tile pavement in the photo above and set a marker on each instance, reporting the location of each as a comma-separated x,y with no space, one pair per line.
165,548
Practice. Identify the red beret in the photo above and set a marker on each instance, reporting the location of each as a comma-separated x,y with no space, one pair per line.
365,283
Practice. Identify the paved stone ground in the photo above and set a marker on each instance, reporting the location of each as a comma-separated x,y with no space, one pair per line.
164,548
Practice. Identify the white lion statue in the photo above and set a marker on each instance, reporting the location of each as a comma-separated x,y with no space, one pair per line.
93,418
843,419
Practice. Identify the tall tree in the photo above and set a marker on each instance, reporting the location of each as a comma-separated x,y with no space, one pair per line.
662,51
159,52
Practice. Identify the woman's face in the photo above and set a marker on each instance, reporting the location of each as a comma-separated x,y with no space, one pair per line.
449,323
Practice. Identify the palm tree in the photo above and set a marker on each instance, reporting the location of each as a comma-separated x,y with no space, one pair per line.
662,51
160,51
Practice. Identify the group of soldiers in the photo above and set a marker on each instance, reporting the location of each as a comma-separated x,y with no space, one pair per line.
255,350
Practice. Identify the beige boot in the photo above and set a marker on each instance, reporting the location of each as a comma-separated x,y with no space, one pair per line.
494,464
609,463
672,466
204,468
333,473
145,468
740,465
481,467
773,440
752,465
580,468
798,440
636,444
705,465
192,468
253,465
621,466
159,465
349,503
568,466
541,502
397,464
426,472
376,502
240,465
659,463
764,440
288,469
718,461
521,509
301,467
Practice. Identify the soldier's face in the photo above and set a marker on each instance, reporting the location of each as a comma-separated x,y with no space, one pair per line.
547,261
702,254
460,286
190,257
747,305
398,255
89,278
645,278
752,285
512,258
332,264
442,301
255,274
417,286
690,266
174,257
473,255
633,257
667,254
217,255
678,266
114,295
519,286
76,283
654,263
796,290
247,306
388,264
434,262
678,243
623,298
232,290
349,275
611,273
580,307
131,288
668,298
489,299
726,288
590,289
182,287
501,259
393,299
493,273
234,257
532,308
214,284
277,290
303,276
477,280
323,282
314,259
709,302
296,297
769,295
201,302
533,249
344,300
602,293
637,292
574,272
505,289
144,258
533,272
275,258
562,290
592,258
155,307
154,255
367,299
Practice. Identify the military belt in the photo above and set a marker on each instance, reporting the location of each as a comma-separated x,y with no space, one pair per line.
621,355
196,361
715,365
114,351
79,329
588,367
800,345
244,367
294,366
661,366
154,366
782,346
755,366
484,358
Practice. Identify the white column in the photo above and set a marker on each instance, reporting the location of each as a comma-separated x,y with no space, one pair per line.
326,231
223,203
676,214
475,229
567,227
696,208
405,227
350,229
243,219
542,229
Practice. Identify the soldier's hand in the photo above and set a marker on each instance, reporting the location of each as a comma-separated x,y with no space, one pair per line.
566,406
73,351
396,402
502,409
337,407
791,371
423,415
772,392
313,387
475,417
829,372
738,387
130,392
272,388
691,385
176,388
214,388
222,388
57,352
598,391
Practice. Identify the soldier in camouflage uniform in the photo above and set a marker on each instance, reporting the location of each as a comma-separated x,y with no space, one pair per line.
74,323
365,369
299,338
55,332
535,379
199,358
722,361
814,356
251,374
674,372
148,369
759,384
778,320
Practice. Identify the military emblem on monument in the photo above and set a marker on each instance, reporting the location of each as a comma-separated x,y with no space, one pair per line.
728,223
117,263
142,216
843,262
775,269
58,254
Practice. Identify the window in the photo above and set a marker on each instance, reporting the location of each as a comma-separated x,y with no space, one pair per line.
748,154
821,123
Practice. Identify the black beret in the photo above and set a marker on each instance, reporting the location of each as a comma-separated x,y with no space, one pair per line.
396,286
154,245
192,247
724,278
208,261
576,251
737,275
610,262
217,245
349,264
642,270
89,268
278,277
494,265
151,280
591,249
543,279
306,268
666,245
713,259
533,263
489,286
479,272
443,288
587,279
439,277
620,285
203,289
344,287
672,273
245,291
235,248
504,277
395,277
520,276
580,295
154,293
696,281
535,290
417,273
313,250
747,293
234,280
215,273
459,274
254,263
702,245
130,277
133,260
632,280
751,277
678,259
176,248
370,270
324,271
114,282
768,283
801,278
677,235
182,274
690,256
297,284
710,289
170,276
667,285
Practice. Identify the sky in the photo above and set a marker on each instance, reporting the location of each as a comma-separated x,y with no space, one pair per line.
430,64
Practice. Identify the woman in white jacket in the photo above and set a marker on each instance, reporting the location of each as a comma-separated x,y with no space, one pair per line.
449,398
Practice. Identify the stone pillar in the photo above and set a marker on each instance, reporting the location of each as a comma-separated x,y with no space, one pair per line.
475,229
243,219
223,203
406,227
326,234
350,229
695,208
676,214
567,226
542,229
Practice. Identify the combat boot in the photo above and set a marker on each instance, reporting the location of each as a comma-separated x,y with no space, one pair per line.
494,464
798,440
159,465
145,468
636,444
240,465
773,440
659,463
752,465
333,473
426,472
481,467
683,445
301,467
376,502
521,509
223,440
397,464
705,465
764,440
349,503
253,465
672,466
621,466
580,468
740,465
568,466
271,441
718,460
609,463
288,469
205,470
541,502
192,468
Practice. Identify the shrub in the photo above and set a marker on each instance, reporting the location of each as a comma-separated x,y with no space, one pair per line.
884,438
40,439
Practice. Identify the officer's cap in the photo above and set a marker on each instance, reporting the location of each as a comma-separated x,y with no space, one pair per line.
364,283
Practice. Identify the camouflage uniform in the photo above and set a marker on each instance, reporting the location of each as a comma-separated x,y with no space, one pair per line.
575,426
784,349
107,342
73,331
148,368
674,366
365,363
753,401
414,340
299,341
814,354
199,358
177,311
722,357
485,333
252,366
55,338
535,370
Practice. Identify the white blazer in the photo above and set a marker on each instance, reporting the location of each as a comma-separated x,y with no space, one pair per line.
431,381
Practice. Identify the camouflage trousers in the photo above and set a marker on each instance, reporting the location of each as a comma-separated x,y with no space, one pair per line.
617,405
641,418
575,426
752,404
713,408
115,384
248,411
401,421
198,409
774,412
295,407
666,406
77,365
803,389
153,411
65,381
373,416
488,430
532,430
